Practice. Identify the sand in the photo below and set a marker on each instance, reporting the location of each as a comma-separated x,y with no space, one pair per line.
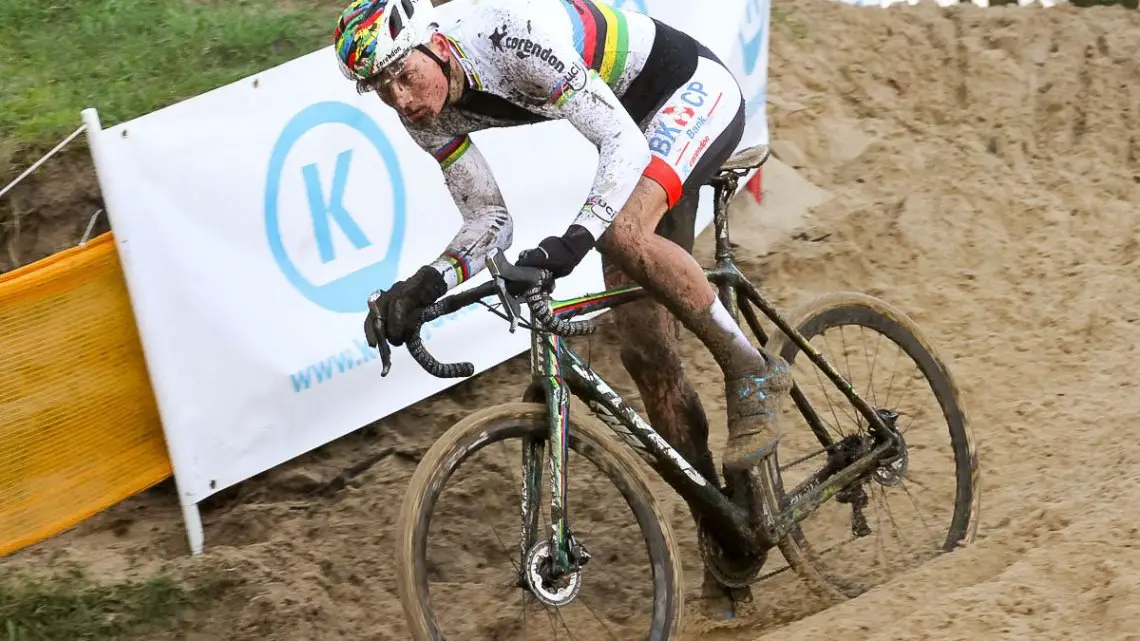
979,169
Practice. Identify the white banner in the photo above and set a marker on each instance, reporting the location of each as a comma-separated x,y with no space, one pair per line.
254,220
945,3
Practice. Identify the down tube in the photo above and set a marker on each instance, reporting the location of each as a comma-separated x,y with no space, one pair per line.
724,517
646,441
549,347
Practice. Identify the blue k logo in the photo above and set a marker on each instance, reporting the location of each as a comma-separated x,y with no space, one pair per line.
336,288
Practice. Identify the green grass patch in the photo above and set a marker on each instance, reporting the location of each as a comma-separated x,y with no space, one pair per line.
786,21
74,608
129,57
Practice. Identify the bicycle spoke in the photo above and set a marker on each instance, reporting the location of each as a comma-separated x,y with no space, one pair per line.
909,423
891,383
550,618
909,477
806,458
891,515
558,613
849,377
900,403
600,620
917,510
503,548
871,366
881,549
819,377
831,386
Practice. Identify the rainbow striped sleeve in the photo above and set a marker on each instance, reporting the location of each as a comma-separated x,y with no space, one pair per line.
455,270
562,93
451,151
601,36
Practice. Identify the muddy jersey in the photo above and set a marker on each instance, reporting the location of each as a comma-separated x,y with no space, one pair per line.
603,70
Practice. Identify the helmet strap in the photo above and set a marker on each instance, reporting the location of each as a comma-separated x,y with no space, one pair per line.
445,66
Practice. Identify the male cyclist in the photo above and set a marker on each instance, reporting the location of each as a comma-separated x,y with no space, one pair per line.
663,112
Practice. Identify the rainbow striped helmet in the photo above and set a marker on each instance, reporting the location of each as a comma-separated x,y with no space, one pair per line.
371,34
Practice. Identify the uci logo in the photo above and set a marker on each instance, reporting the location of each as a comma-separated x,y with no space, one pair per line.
335,206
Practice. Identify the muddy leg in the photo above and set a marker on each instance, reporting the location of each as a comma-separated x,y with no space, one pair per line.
648,335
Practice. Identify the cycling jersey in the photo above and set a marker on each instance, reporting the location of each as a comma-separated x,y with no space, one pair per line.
621,78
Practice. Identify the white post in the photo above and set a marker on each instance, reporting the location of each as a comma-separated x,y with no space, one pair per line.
190,514
195,533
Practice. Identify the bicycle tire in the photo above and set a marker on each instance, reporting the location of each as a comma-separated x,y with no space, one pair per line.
589,438
851,308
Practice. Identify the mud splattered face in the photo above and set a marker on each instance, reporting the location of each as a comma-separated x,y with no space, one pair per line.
415,87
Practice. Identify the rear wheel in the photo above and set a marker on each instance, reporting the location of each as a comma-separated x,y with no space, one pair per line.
638,603
841,549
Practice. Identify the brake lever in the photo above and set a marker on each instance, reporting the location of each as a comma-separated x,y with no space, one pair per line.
381,335
510,303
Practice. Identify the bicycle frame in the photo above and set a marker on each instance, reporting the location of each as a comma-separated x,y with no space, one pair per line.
558,371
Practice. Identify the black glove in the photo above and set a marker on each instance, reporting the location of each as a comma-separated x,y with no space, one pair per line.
402,305
559,254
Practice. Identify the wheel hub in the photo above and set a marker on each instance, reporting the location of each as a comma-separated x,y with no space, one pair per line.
892,470
553,590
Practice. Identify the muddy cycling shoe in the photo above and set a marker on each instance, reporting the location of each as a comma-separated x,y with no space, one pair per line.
754,405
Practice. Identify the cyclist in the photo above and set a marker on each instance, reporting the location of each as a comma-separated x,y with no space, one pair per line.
663,112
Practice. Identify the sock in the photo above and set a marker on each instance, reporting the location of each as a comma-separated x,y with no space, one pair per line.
727,342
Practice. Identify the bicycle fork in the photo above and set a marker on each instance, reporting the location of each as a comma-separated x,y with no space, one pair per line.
565,553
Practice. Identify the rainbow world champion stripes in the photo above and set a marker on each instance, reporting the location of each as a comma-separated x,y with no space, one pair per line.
452,150
357,41
601,37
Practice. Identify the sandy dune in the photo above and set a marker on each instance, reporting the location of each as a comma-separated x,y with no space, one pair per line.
980,169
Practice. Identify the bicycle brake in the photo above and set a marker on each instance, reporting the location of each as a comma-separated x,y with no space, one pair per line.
497,265
510,303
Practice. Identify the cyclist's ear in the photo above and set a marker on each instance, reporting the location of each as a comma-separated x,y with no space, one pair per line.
438,44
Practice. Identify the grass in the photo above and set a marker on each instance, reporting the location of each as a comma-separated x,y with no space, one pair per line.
74,608
129,57
792,25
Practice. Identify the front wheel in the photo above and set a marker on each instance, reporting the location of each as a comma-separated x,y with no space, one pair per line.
642,602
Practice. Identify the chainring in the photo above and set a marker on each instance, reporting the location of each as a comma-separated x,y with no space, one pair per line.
730,572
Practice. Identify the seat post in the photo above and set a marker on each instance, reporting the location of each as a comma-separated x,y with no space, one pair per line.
724,186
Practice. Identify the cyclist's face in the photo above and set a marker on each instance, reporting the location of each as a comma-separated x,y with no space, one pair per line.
415,87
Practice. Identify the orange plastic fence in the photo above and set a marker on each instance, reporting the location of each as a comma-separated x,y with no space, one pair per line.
79,428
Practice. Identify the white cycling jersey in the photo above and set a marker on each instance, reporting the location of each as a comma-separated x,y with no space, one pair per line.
606,71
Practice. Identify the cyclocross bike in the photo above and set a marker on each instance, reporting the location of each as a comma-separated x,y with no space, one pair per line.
757,515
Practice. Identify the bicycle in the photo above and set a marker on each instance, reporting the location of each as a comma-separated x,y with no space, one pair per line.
758,514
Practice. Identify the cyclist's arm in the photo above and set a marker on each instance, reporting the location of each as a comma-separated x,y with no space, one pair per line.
486,223
581,97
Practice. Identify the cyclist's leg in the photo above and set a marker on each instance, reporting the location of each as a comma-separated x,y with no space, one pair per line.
647,333
690,137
